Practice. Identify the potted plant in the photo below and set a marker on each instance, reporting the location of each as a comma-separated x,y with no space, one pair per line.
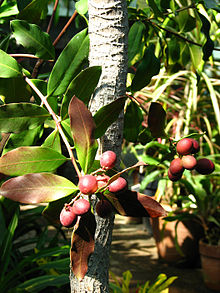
202,205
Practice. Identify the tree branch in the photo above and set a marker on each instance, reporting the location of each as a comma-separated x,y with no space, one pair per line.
58,125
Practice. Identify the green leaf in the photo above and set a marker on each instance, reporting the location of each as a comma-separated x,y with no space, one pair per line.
149,67
8,9
68,64
24,160
9,66
82,86
82,6
82,128
39,283
32,38
185,21
33,11
196,55
106,115
15,118
132,122
53,141
156,120
37,188
136,42
173,51
5,250
14,90
24,138
153,5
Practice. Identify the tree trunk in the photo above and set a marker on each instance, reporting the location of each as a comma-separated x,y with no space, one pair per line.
108,28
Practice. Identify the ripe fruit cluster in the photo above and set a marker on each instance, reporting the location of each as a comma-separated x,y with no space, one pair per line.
69,213
185,148
88,185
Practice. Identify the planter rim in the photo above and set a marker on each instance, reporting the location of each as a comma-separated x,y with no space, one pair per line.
209,249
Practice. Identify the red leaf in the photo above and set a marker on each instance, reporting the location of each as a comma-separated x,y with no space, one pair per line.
37,188
82,127
82,245
137,204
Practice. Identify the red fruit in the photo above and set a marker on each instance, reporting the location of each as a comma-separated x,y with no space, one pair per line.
117,185
189,162
88,184
81,206
102,180
195,146
184,146
175,177
108,160
104,208
67,216
176,166
205,166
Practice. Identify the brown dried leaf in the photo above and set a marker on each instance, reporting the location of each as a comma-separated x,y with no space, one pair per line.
82,245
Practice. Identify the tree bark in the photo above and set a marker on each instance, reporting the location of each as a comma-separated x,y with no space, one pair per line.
108,30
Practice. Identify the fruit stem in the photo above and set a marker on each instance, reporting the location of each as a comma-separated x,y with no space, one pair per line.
57,121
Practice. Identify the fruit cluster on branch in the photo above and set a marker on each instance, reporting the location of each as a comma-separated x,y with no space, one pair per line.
186,149
89,184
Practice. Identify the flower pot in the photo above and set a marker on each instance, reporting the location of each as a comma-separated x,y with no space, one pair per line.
210,263
188,235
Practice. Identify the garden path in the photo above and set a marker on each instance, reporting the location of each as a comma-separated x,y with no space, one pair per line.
134,249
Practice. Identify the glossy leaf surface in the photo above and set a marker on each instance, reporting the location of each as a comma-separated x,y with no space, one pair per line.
149,66
68,64
37,188
32,38
132,122
19,117
135,42
32,11
156,120
82,86
82,127
24,160
82,245
14,90
106,115
9,66
137,204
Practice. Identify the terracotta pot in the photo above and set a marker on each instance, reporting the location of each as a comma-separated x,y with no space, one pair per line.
210,263
188,235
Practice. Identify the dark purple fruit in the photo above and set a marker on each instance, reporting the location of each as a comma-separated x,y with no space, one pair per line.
195,146
189,162
175,177
176,166
205,166
184,146
104,208
81,206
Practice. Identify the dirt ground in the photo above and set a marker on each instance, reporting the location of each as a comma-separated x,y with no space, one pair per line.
134,249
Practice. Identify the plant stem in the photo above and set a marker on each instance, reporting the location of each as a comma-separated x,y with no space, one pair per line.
58,125
52,16
26,56
65,28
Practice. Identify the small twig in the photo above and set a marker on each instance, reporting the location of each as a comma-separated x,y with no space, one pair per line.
26,56
65,28
58,125
52,16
